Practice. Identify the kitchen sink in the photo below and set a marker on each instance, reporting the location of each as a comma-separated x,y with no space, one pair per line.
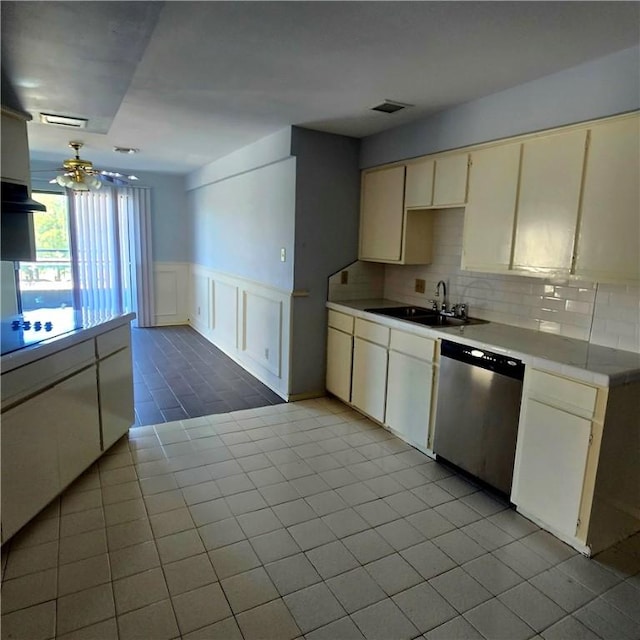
427,317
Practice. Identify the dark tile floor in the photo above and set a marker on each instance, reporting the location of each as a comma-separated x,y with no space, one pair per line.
178,374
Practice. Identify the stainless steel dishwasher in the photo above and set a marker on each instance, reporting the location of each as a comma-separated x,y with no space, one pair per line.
477,414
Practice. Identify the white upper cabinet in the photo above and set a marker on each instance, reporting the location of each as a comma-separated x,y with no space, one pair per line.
550,183
450,182
389,232
490,212
418,190
15,149
608,246
381,214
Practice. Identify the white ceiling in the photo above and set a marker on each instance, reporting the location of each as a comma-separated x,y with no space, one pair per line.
189,82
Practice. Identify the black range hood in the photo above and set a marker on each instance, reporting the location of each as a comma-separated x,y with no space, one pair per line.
17,240
16,199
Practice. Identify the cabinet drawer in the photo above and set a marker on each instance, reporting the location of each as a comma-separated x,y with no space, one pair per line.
341,321
412,345
372,332
26,380
570,395
113,341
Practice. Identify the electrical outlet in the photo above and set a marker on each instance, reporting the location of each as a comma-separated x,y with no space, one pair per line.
344,277
198,310
266,354
283,255
420,285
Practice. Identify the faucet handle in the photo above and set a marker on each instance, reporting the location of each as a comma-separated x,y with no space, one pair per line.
434,304
460,310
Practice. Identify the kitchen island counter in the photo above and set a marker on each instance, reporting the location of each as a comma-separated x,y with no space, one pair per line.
65,401
569,357
88,331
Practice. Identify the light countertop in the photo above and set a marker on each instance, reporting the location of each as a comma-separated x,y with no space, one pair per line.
40,350
569,357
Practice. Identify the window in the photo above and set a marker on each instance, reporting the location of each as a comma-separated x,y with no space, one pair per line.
48,282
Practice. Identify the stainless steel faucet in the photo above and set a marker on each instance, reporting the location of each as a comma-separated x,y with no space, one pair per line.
444,294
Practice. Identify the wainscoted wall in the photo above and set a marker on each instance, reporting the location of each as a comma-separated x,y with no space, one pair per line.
171,285
603,314
248,321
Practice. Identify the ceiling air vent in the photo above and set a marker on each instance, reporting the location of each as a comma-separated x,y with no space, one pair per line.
389,106
64,121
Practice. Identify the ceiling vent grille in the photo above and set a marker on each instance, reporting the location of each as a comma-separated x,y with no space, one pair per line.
63,121
390,106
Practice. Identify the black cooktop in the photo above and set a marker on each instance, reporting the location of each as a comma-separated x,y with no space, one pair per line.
33,327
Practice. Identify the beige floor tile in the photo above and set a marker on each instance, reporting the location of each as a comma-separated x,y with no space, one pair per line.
105,630
128,534
35,623
164,524
234,558
189,574
134,559
86,607
200,607
224,630
139,590
250,589
179,545
127,511
155,621
29,590
90,572
384,620
221,533
20,562
271,621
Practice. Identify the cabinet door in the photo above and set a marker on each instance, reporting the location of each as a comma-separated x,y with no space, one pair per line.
381,214
609,239
47,441
409,397
339,358
550,182
450,184
115,375
551,459
369,378
15,150
490,212
418,190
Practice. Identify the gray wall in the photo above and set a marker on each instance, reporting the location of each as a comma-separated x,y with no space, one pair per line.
171,224
243,212
602,87
326,240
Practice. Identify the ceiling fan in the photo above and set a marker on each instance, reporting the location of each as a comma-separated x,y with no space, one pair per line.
80,175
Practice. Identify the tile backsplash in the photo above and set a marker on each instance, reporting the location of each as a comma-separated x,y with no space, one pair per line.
603,314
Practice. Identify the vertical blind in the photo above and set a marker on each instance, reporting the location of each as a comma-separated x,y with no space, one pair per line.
111,245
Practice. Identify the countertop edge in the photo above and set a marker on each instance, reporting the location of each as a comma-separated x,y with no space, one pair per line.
25,356
455,334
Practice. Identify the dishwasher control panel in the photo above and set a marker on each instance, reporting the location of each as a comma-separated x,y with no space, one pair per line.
504,365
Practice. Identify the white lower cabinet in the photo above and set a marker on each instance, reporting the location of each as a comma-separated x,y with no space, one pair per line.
339,359
409,397
557,453
46,443
410,387
553,447
115,376
369,378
